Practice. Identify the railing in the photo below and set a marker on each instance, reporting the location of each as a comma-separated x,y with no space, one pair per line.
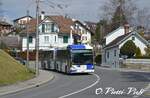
140,64
137,61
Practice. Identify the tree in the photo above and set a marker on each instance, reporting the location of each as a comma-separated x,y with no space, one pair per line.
98,59
142,18
118,11
97,32
128,49
118,18
100,30
138,52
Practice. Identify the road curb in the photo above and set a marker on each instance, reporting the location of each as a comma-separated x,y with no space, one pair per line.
28,87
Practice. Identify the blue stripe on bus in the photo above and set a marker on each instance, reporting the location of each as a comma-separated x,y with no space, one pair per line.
78,65
90,66
76,47
72,71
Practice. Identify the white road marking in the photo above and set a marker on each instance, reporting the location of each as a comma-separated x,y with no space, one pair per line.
98,79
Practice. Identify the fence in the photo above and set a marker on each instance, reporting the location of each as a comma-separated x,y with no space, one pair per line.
137,61
136,64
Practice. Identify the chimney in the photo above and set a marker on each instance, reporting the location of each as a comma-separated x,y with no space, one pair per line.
42,15
126,28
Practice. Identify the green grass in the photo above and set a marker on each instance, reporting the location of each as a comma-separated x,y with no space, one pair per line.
12,71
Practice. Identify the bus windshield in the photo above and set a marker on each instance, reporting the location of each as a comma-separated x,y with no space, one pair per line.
82,57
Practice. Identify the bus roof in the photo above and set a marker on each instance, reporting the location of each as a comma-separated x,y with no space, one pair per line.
74,47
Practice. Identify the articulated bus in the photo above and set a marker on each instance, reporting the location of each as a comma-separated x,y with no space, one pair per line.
73,59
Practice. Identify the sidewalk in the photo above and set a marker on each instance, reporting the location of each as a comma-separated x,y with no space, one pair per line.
43,77
147,90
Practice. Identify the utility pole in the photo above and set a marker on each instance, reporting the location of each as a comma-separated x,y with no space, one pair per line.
37,38
27,63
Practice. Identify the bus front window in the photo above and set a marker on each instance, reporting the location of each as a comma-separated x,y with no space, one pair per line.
82,57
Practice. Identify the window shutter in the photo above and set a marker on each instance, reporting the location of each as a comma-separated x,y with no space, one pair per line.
43,27
52,27
30,39
65,39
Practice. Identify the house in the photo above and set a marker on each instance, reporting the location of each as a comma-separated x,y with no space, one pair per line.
85,33
54,32
22,21
115,40
91,25
5,28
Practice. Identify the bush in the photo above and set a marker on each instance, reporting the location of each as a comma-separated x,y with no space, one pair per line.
142,57
129,49
138,52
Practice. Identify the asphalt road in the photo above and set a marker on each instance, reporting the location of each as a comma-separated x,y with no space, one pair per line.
102,84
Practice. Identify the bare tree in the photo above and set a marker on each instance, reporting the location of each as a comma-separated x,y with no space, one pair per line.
142,18
128,7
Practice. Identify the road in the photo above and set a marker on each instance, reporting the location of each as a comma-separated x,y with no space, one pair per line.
90,86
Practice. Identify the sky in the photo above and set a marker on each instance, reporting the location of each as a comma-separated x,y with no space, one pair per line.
85,10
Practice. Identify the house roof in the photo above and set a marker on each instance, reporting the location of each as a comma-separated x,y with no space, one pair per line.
114,42
31,28
147,37
63,23
91,26
21,18
121,27
120,39
77,21
5,23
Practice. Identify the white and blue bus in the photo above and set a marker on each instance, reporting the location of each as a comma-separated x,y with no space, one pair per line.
72,59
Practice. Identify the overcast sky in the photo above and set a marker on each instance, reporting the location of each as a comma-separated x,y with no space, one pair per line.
80,9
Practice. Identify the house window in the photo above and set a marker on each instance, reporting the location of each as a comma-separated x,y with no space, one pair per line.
65,39
82,37
46,39
30,39
107,54
48,28
115,52
85,38
133,38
